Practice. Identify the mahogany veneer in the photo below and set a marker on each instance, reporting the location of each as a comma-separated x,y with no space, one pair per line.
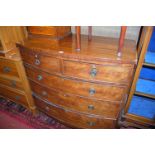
86,88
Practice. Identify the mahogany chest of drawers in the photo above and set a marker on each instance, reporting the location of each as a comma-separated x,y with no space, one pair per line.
85,89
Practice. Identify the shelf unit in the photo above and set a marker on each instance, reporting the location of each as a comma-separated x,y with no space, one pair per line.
140,107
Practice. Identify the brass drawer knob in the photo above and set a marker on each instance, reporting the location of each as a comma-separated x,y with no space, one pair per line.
44,93
39,77
36,55
91,123
13,83
90,107
6,69
92,91
37,62
17,97
93,72
47,108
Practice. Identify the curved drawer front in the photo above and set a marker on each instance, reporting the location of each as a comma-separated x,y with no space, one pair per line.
74,119
11,83
13,95
8,68
91,90
109,73
45,63
72,102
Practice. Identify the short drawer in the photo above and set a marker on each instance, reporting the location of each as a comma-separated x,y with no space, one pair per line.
71,118
8,67
42,30
75,103
91,90
11,83
115,73
46,63
13,95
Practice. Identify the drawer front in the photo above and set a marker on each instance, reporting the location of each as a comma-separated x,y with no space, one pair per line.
8,67
91,90
108,73
11,83
73,119
45,63
43,30
75,103
13,95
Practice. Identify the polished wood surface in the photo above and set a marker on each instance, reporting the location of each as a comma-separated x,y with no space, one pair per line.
11,82
12,73
121,40
14,82
85,88
47,63
77,103
55,32
113,73
9,36
14,95
72,118
78,38
100,49
8,68
92,90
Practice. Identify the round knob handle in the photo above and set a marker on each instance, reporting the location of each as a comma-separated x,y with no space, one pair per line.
92,91
37,62
91,123
93,72
90,107
17,97
36,55
6,69
13,83
39,77
47,108
44,93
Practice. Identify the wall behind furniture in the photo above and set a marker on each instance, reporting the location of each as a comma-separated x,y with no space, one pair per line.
111,31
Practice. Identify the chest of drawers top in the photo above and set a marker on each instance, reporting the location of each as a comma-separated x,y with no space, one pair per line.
99,49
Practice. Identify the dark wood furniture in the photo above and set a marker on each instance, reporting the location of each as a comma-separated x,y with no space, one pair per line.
79,81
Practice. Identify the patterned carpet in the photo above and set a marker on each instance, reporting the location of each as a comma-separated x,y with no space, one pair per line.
14,116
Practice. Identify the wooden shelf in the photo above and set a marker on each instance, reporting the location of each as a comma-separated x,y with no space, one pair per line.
139,119
148,65
145,95
145,87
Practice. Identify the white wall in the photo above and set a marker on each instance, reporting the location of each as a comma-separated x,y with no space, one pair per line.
111,31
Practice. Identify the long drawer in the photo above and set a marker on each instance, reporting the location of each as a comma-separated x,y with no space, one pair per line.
73,119
75,103
8,67
46,63
92,90
13,83
115,73
13,94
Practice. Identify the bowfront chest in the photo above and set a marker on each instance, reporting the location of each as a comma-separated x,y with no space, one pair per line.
83,89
